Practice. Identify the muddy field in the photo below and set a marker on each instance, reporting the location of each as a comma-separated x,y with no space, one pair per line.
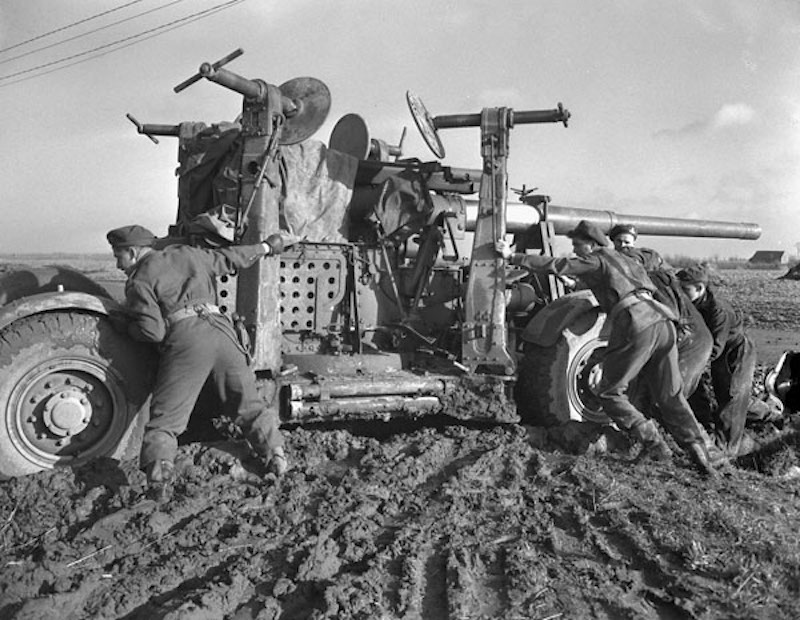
427,520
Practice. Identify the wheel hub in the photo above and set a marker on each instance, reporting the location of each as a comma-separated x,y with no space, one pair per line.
593,380
67,413
586,373
65,410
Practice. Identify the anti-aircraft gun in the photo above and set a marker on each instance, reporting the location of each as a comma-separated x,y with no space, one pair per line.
392,300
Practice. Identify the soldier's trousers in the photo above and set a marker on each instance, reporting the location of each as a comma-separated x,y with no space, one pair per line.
730,383
694,349
195,349
650,356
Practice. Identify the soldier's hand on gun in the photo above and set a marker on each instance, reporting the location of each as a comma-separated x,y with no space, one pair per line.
503,248
275,244
568,282
278,242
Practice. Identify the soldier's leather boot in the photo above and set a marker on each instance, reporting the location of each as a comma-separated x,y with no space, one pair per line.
699,456
278,463
716,456
654,448
654,451
160,476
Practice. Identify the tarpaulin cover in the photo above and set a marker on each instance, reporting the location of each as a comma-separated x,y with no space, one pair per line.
317,188
316,183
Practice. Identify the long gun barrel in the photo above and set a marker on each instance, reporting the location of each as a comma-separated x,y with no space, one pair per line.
521,216
564,219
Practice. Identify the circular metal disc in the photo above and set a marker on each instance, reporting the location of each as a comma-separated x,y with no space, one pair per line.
313,101
425,124
350,135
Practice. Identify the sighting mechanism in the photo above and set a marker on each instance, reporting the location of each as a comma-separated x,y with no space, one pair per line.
428,125
351,135
293,111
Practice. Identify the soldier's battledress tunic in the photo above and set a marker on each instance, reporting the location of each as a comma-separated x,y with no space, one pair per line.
733,360
694,338
641,339
170,295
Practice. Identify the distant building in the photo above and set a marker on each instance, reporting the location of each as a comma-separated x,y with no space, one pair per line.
769,257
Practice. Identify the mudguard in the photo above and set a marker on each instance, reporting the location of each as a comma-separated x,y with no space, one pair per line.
578,311
48,302
18,281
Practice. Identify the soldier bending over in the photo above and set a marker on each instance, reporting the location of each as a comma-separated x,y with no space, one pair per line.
641,342
170,298
733,361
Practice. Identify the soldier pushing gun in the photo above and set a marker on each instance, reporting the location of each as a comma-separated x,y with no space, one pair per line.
642,342
169,298
732,362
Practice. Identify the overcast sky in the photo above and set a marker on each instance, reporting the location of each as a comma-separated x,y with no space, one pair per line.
685,108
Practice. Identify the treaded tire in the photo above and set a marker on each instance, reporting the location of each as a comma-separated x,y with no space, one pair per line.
553,383
71,389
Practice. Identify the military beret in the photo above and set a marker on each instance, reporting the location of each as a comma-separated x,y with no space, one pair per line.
694,274
623,229
129,236
587,230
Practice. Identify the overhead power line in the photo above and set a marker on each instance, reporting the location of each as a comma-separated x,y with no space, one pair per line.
131,39
88,32
73,24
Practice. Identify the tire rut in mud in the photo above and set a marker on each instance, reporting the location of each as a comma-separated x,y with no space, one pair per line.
447,522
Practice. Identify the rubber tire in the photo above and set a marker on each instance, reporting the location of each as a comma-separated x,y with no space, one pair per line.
548,391
84,355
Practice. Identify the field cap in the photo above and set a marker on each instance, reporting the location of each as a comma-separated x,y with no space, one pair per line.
694,274
623,229
587,230
130,236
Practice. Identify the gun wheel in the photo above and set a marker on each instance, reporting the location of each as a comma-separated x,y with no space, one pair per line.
557,384
71,390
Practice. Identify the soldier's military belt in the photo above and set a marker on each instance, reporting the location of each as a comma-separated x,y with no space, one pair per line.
634,297
193,310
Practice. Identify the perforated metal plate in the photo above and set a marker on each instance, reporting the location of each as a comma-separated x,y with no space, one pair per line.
312,284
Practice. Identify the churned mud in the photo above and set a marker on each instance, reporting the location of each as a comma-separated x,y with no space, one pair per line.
433,519
441,521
